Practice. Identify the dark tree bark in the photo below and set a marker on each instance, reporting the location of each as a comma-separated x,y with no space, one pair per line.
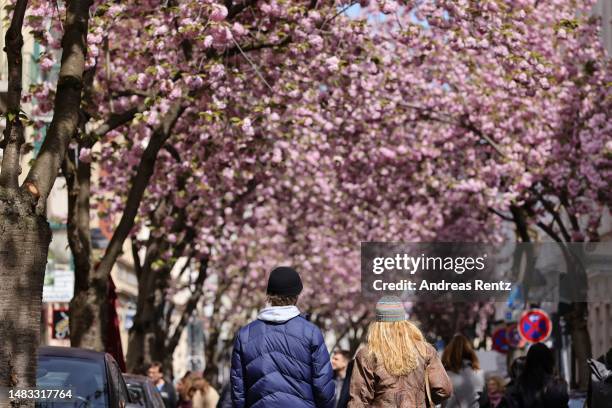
24,232
24,242
13,134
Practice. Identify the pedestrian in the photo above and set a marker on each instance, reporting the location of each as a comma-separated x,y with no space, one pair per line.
463,367
397,367
516,369
204,394
537,386
280,359
156,374
184,389
600,381
339,361
495,390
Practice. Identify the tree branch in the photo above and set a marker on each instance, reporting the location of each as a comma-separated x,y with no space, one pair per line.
139,184
555,214
173,152
521,223
65,120
13,134
114,121
136,258
500,215
550,231
78,183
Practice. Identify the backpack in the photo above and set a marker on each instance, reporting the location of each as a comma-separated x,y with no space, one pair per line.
554,394
600,387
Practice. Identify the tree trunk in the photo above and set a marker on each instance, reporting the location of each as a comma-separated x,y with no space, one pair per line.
147,335
211,371
138,354
581,344
24,243
88,315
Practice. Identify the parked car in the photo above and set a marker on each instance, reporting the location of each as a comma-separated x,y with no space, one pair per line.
143,392
93,377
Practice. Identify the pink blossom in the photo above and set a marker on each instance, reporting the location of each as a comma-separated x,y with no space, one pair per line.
388,6
208,41
46,63
247,127
239,29
332,63
218,13
176,93
85,155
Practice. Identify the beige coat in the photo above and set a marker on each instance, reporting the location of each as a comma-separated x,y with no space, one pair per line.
372,386
208,400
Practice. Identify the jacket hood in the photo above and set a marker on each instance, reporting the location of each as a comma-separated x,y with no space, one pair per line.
278,314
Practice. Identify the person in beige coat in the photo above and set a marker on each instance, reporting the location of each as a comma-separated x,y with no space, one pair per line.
391,370
205,396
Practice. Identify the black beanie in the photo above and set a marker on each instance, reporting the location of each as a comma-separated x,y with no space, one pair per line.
284,281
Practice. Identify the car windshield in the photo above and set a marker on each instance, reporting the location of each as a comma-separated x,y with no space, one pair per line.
86,379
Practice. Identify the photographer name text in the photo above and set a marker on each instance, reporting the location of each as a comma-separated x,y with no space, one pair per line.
442,286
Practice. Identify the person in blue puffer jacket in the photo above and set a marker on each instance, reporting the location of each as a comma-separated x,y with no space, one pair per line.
280,359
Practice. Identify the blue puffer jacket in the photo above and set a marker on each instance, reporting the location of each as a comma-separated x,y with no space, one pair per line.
280,360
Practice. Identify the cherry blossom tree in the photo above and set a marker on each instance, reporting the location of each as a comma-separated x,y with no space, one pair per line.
437,127
25,233
238,135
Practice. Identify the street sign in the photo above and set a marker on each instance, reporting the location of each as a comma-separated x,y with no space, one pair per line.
514,337
58,284
60,326
535,326
500,340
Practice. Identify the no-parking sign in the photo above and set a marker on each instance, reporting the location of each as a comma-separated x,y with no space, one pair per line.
500,340
515,340
535,326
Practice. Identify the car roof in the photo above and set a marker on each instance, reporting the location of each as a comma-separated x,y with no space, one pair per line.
71,352
135,378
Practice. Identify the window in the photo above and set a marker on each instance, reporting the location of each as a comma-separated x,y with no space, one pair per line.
86,378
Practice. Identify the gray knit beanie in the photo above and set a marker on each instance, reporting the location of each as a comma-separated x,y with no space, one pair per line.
390,309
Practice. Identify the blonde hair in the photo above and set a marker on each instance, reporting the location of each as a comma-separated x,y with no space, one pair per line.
498,381
396,345
186,388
